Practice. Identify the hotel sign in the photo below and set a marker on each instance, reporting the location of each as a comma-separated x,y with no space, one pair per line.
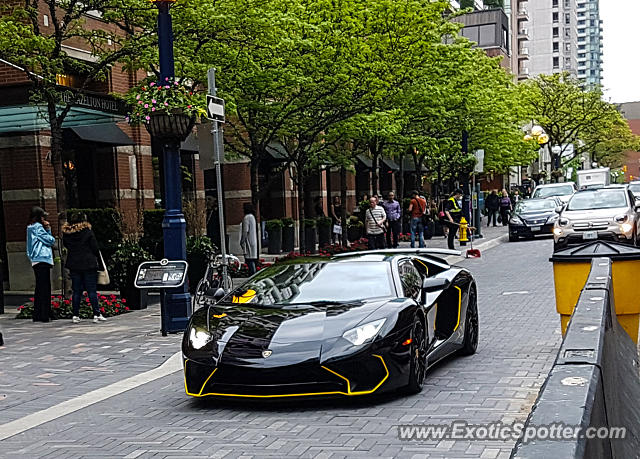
93,101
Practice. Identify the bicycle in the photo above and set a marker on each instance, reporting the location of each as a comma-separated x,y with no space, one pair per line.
212,282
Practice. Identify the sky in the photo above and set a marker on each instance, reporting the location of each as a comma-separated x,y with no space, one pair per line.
621,30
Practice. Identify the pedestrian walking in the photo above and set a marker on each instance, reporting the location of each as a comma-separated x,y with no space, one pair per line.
336,218
493,205
249,237
505,207
453,212
82,262
375,218
417,208
317,207
40,242
394,218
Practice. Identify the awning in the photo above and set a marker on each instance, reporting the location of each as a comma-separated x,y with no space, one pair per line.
409,165
277,151
390,164
364,162
105,133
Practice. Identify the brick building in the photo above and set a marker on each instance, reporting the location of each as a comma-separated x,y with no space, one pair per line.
107,163
631,111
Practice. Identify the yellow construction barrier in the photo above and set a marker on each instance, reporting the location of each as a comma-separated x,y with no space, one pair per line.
571,268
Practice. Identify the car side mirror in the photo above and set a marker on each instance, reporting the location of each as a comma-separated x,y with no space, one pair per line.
559,209
218,295
433,284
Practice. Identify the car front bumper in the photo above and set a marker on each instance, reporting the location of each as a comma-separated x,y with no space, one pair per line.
530,230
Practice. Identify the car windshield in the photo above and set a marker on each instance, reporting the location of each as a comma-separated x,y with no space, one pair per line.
635,188
598,199
548,191
316,282
535,205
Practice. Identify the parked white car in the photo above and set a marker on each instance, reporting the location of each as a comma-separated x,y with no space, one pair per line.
564,191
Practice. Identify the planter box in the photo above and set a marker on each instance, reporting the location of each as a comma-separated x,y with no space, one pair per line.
135,298
275,241
288,238
310,240
354,233
324,236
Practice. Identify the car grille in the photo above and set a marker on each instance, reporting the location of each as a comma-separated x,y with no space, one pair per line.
539,221
594,225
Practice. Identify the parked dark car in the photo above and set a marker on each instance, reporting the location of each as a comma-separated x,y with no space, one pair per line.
533,217
345,326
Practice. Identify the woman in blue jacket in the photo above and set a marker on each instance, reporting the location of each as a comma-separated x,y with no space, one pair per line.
40,253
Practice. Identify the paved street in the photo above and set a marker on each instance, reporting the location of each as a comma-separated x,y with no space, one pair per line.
42,365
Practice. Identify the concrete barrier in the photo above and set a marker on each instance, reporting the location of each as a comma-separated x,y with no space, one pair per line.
594,382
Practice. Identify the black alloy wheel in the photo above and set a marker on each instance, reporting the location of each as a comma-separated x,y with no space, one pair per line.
418,365
471,330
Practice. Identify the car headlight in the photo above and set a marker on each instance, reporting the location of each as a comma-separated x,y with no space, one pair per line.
626,228
557,231
515,220
199,337
621,218
563,221
363,333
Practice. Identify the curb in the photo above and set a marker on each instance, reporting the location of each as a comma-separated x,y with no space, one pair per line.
487,245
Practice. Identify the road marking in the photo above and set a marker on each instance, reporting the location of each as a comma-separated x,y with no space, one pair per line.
173,364
521,292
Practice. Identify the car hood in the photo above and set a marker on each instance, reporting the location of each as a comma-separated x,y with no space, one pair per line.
537,215
591,214
242,332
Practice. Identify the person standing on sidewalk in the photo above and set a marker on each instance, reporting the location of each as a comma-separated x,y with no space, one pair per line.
374,223
417,208
493,204
40,244
505,207
453,212
249,238
336,219
394,217
82,261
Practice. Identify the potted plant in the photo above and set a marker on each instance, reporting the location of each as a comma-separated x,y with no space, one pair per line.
168,110
288,234
309,235
199,250
274,230
324,230
124,265
355,228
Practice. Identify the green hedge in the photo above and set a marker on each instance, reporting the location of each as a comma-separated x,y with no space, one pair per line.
151,240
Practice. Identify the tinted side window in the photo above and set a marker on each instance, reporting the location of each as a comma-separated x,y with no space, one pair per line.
410,278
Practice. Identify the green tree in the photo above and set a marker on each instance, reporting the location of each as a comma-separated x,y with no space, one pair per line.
39,52
572,114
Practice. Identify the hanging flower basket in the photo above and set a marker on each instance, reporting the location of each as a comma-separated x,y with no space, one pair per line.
170,126
168,110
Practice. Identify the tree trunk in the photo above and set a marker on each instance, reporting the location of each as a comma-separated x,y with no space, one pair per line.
375,156
56,160
255,186
300,179
343,198
400,179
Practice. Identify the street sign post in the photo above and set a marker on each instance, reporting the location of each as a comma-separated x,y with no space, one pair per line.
215,108
161,274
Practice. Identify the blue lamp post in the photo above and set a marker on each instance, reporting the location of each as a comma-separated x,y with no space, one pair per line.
171,130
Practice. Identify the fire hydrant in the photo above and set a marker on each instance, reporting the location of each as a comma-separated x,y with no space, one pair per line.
463,239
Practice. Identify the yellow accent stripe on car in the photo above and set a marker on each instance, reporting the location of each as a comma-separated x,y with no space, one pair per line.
349,392
459,305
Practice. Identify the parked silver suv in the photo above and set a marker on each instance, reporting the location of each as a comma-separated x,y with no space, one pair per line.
609,213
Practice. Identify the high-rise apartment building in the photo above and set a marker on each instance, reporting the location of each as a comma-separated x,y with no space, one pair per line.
589,41
518,13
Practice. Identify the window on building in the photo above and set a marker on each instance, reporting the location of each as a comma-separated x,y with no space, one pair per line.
555,16
556,47
556,32
487,35
471,32
567,3
567,47
555,3
556,62
567,62
567,32
567,18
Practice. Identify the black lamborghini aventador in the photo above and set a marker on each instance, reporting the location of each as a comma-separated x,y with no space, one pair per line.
348,325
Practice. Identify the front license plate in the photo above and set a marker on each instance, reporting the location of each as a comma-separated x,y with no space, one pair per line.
535,228
590,235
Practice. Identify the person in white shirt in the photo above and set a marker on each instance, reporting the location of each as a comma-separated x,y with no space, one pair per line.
249,238
375,218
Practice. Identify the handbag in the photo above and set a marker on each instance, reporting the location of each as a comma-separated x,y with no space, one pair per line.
337,229
103,274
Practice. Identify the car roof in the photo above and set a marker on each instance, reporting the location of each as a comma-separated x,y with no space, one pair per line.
545,185
354,257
